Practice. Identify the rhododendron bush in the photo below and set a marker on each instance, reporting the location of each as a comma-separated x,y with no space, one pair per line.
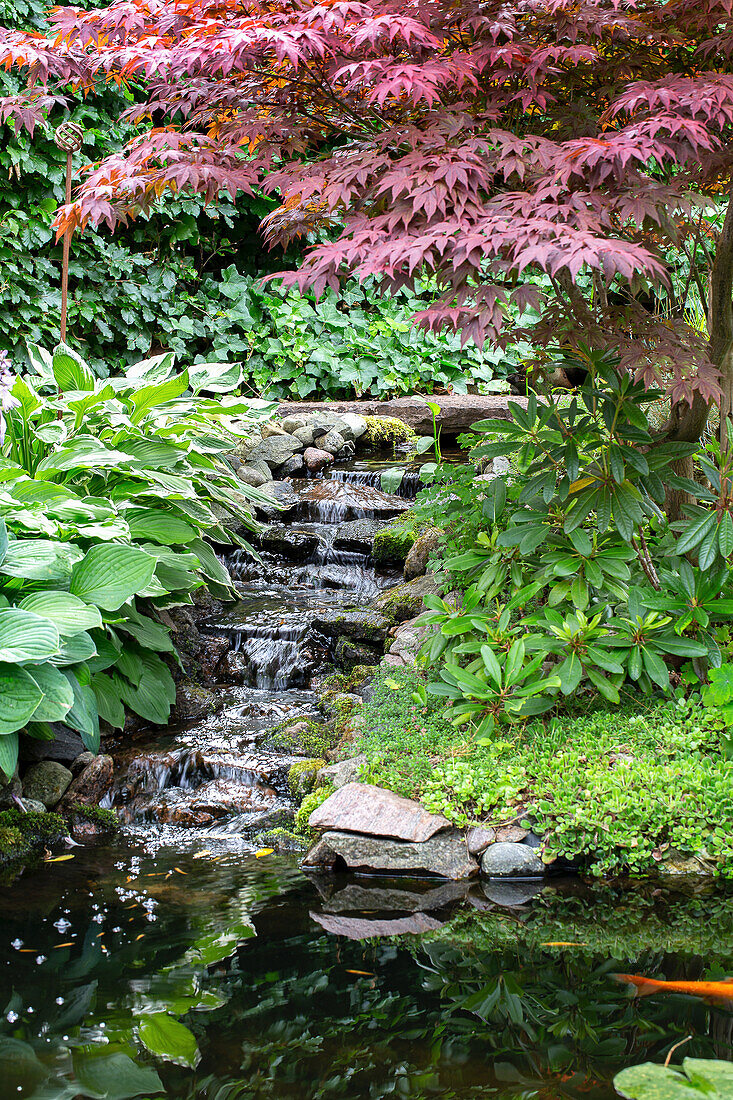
483,143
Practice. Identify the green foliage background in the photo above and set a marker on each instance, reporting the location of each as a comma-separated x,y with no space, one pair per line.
186,279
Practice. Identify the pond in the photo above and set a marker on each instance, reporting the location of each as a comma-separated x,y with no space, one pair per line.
459,991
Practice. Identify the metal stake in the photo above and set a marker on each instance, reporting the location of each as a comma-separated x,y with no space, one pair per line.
68,137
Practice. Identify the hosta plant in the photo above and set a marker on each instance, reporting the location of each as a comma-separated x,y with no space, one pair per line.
107,490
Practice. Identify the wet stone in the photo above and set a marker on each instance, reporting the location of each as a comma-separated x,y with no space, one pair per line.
46,782
91,785
289,542
444,854
275,450
363,808
316,459
357,535
384,899
506,860
360,626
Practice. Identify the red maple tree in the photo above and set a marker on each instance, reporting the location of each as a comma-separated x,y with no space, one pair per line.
483,142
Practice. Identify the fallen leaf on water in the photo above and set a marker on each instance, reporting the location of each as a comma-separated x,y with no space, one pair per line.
562,943
60,859
264,852
363,973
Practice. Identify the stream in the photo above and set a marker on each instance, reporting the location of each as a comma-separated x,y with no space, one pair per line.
309,986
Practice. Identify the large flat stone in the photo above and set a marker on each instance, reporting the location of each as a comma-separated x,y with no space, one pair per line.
364,808
360,928
444,854
457,411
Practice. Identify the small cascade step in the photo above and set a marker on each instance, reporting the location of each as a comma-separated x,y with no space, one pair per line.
408,488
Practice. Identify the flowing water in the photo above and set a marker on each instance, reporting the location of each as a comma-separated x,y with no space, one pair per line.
306,987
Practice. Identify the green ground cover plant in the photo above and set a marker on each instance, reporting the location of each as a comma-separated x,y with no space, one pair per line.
621,789
107,489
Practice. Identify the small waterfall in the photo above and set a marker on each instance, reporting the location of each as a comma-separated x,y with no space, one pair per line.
270,651
210,777
408,488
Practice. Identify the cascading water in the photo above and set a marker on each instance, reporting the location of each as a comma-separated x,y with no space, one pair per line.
215,777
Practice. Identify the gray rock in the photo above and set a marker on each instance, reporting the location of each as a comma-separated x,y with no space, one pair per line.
357,535
443,854
416,562
335,500
478,839
305,435
364,808
292,424
359,928
82,761
47,782
360,626
275,450
7,790
333,442
348,654
33,807
250,476
346,771
285,500
406,601
194,701
406,644
356,423
289,542
324,422
260,467
533,841
65,747
457,411
271,429
506,860
294,467
511,894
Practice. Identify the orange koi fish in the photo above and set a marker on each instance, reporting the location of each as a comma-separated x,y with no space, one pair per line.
711,991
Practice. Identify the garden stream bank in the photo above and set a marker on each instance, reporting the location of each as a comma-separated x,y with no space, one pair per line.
417,976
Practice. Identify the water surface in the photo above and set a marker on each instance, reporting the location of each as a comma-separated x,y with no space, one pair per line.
502,994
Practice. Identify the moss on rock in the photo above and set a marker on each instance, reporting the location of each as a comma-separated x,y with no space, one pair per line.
392,544
105,820
312,739
282,840
386,431
303,774
21,834
310,803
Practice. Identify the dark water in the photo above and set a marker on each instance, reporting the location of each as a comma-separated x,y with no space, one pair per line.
257,961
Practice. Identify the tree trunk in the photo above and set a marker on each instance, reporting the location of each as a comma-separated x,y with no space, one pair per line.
687,422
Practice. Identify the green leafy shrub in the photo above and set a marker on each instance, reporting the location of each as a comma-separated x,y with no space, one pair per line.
573,559
106,489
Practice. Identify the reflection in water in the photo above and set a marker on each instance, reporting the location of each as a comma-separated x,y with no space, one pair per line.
453,996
